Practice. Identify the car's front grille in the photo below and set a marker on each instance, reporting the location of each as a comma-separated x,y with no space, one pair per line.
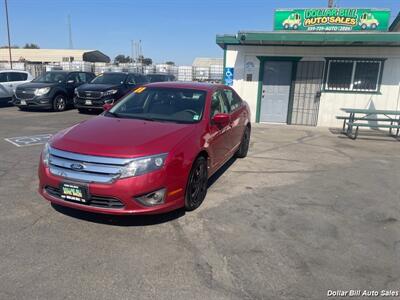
85,168
96,201
90,94
24,94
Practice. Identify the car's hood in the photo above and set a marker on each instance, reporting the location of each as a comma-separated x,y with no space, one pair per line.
35,85
107,136
97,87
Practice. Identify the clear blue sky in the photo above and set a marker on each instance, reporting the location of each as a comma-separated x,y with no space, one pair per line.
176,30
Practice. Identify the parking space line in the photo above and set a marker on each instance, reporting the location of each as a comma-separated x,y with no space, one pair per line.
32,140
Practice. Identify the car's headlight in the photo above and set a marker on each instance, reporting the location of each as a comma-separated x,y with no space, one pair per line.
109,92
46,154
143,165
42,91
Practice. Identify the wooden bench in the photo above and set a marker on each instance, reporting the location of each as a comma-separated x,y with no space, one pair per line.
354,124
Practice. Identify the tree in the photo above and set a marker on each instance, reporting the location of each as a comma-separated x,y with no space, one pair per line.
120,58
31,46
147,61
12,46
171,63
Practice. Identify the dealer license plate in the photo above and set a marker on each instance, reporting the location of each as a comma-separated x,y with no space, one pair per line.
23,102
88,102
73,192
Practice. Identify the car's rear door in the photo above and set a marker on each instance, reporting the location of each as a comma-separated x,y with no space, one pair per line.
15,79
4,85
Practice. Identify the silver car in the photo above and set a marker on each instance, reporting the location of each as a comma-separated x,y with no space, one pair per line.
9,80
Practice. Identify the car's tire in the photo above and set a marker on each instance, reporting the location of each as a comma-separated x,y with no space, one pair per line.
244,144
83,110
373,26
196,188
59,102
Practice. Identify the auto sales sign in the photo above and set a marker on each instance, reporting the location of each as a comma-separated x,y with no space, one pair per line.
332,19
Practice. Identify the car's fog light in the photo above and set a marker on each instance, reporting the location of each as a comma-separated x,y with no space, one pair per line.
153,198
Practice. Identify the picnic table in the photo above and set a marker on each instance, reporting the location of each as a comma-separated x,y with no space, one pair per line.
389,119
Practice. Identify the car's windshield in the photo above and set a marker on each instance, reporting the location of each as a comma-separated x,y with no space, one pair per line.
109,78
161,104
51,77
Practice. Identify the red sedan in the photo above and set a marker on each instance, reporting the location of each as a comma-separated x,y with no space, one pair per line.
152,152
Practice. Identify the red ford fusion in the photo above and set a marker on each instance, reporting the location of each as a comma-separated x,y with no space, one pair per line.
152,152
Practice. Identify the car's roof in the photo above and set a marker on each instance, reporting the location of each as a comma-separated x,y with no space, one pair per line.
158,74
124,73
187,85
19,71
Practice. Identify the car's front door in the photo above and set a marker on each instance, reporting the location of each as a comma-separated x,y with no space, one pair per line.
220,136
238,115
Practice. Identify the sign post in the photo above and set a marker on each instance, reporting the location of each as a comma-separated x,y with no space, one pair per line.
228,76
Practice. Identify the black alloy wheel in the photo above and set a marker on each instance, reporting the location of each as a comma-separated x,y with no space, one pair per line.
244,145
59,103
196,189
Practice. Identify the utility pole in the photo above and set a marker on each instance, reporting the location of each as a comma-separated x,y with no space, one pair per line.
331,3
71,46
8,33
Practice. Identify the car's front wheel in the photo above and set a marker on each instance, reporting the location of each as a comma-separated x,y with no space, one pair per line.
59,103
196,189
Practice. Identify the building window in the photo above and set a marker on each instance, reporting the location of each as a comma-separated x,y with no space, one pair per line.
353,75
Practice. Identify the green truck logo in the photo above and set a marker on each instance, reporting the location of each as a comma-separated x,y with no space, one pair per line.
292,22
368,21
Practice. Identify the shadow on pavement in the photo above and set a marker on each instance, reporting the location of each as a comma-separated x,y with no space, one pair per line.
138,220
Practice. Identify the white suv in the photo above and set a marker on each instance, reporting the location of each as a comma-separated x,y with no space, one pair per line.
9,80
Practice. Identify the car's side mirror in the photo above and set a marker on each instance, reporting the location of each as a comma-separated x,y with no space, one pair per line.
107,106
221,120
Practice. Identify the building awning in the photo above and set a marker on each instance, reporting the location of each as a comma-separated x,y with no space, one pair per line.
95,56
277,38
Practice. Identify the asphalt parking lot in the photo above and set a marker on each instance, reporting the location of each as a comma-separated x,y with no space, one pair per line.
308,211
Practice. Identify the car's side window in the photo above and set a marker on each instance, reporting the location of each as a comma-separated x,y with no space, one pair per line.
16,76
218,104
82,77
3,77
233,99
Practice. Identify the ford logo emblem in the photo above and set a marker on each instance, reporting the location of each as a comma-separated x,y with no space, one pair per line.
77,166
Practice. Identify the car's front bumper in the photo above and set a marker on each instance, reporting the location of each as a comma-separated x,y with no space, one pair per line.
82,103
122,190
40,102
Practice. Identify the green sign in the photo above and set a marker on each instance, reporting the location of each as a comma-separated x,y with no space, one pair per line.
332,19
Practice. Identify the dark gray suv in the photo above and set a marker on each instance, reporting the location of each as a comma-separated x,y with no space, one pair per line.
52,90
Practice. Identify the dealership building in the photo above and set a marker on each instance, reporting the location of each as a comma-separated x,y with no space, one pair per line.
315,62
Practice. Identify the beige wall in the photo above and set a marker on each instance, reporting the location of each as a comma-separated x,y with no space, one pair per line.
41,55
242,58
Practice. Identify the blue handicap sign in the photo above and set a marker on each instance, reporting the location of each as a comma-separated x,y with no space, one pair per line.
228,76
